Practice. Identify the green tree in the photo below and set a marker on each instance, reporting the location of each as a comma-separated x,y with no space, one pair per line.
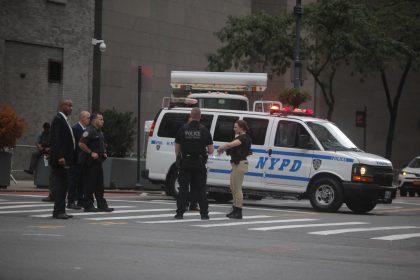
119,132
390,44
266,42
259,41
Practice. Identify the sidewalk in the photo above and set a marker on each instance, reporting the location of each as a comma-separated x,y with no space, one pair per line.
28,186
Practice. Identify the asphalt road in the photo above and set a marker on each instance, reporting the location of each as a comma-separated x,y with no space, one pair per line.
277,239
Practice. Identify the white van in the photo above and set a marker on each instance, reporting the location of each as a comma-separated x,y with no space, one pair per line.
292,156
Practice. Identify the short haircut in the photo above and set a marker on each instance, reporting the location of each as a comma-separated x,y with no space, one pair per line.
95,115
46,125
195,113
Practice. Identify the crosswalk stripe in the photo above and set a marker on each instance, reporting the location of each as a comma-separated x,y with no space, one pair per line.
196,220
307,225
398,236
346,230
20,202
23,206
107,213
147,216
26,211
256,222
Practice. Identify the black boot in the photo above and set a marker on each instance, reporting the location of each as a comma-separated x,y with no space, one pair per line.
231,212
237,213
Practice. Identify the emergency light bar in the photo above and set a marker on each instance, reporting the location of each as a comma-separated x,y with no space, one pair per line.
287,111
219,81
170,102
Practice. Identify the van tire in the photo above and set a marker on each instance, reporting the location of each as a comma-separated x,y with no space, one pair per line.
220,197
326,195
172,184
361,206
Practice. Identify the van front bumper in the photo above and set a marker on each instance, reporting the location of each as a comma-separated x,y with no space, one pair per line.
383,194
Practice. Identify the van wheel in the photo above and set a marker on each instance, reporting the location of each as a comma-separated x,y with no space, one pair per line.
221,197
172,184
412,193
360,205
326,195
403,192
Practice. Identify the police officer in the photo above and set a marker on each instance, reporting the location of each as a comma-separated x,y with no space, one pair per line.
239,149
93,146
190,148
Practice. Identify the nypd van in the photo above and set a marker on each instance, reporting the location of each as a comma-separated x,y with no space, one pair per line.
293,156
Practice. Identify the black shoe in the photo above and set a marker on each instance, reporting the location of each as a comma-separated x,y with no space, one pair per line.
48,199
29,171
205,217
231,212
73,206
90,209
237,213
179,216
62,216
105,209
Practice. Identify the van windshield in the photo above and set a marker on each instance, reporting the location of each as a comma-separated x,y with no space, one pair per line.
331,137
219,103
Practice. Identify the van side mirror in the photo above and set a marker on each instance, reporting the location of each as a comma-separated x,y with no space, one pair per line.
305,141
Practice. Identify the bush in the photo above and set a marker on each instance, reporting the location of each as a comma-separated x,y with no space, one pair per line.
294,97
11,127
119,131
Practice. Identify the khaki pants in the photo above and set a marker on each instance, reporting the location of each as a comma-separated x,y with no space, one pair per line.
236,180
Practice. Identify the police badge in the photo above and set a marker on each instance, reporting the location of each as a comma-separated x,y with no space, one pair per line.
316,163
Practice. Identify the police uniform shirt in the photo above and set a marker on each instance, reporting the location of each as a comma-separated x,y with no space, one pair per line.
193,138
94,139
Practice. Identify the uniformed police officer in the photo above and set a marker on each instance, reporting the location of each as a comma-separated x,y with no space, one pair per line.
193,143
93,146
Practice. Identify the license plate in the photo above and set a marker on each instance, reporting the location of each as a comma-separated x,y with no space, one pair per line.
416,182
387,194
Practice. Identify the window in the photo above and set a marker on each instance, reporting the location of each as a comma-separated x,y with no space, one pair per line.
257,130
224,129
55,71
220,103
172,122
288,134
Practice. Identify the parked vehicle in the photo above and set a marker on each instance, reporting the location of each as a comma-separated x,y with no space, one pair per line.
293,156
409,178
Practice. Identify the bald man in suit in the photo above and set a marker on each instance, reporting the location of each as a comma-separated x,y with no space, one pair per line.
61,157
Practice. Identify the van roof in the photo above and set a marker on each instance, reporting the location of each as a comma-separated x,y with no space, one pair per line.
217,95
249,113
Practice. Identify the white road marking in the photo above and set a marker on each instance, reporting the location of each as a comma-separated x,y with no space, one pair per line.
256,222
398,236
23,206
346,230
148,216
107,213
307,225
26,211
42,234
20,202
197,220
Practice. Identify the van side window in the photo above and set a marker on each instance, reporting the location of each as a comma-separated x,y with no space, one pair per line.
287,134
224,129
172,122
257,130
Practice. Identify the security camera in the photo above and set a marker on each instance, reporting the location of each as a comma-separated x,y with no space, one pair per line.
102,47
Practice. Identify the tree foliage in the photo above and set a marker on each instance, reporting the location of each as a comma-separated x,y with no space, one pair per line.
11,127
390,43
250,42
119,132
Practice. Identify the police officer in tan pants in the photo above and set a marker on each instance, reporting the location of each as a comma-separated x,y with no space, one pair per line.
238,150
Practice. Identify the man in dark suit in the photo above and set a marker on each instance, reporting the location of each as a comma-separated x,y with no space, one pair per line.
76,190
61,157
